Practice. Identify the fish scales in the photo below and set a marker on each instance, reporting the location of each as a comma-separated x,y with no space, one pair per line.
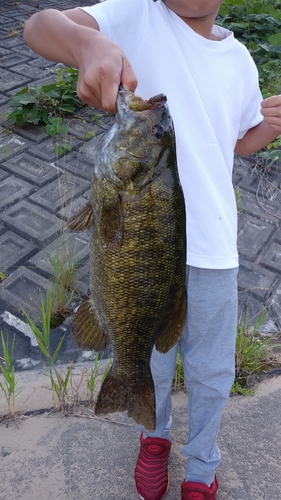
137,254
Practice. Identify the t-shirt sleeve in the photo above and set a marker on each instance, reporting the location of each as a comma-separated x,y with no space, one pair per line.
122,21
251,115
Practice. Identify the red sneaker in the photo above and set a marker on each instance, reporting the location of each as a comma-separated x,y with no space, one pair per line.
151,472
199,491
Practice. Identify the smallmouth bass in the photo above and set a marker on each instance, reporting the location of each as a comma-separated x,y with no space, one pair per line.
138,253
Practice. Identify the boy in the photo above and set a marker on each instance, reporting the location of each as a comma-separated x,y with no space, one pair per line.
211,83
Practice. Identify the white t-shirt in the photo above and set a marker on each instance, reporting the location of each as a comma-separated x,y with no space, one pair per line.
214,98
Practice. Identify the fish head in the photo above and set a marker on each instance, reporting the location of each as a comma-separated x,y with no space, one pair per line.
143,134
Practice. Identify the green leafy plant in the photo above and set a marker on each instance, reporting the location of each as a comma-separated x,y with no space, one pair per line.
91,380
252,356
43,337
252,352
14,32
2,276
238,196
178,381
41,104
7,369
63,284
48,104
257,24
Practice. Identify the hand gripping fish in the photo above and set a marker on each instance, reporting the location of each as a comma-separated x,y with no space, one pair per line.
138,253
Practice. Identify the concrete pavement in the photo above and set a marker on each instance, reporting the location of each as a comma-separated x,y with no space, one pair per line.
76,456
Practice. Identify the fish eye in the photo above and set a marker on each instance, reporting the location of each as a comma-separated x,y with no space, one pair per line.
158,130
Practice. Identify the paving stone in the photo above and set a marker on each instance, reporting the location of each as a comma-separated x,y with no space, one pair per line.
3,99
32,169
31,83
275,304
240,170
25,289
24,50
46,150
4,19
13,249
28,70
69,248
40,62
271,256
265,184
72,207
266,210
32,222
59,192
2,228
12,190
256,280
34,133
12,59
4,52
3,174
250,309
24,8
87,195
10,43
27,354
89,148
253,234
10,80
10,145
77,164
82,278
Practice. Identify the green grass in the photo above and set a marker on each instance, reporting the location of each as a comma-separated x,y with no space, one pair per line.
252,356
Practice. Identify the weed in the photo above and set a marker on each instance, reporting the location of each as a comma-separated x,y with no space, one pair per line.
251,351
178,382
257,24
243,391
7,369
238,196
43,338
2,276
14,32
251,356
91,380
62,284
48,104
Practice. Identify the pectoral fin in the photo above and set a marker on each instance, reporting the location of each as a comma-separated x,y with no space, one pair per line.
81,220
173,331
87,331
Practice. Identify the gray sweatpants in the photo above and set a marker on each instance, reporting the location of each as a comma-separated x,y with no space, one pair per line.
208,354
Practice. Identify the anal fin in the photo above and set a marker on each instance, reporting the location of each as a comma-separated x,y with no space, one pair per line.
86,330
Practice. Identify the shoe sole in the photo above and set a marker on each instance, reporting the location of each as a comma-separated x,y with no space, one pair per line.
142,498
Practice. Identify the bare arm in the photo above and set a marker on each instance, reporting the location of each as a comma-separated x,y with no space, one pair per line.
73,38
258,137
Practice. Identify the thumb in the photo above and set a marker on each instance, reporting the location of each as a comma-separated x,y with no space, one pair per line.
128,77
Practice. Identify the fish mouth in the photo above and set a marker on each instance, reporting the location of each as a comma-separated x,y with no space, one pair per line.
137,103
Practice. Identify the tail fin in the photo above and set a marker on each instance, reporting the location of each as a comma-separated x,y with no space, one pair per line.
138,398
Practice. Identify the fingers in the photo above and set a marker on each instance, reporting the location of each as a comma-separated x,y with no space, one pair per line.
128,77
98,85
271,101
271,111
